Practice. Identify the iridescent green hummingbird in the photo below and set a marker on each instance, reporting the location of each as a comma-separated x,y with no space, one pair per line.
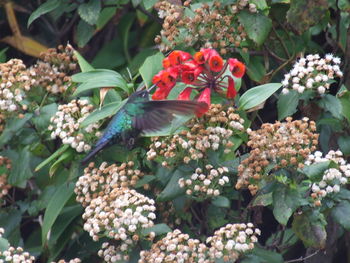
140,115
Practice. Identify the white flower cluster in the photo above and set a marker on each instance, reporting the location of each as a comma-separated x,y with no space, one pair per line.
119,215
204,184
232,240
15,255
312,72
211,132
176,247
13,83
66,125
333,178
98,181
111,253
74,260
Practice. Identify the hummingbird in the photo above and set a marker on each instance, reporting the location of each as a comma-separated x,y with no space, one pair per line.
140,115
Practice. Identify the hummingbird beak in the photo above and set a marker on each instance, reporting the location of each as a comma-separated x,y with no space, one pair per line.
152,87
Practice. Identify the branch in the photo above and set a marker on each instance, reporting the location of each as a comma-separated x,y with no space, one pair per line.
302,258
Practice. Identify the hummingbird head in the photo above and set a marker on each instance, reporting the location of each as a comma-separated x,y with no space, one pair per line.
142,94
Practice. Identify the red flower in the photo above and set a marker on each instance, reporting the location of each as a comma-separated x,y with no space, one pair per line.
236,67
185,94
161,93
166,63
199,57
216,63
204,97
231,91
177,57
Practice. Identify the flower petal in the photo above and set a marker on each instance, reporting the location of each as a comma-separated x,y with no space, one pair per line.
185,94
231,91
204,97
237,68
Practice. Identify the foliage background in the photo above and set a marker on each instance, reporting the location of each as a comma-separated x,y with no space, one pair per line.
119,35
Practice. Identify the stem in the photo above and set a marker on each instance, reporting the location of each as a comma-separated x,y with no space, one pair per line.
302,258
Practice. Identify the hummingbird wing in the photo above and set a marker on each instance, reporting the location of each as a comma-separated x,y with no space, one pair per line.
156,114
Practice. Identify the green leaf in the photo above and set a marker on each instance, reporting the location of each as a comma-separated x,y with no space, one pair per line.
21,171
145,180
256,25
43,9
344,144
84,33
332,104
99,78
263,200
55,155
256,69
344,98
151,67
12,127
104,112
83,64
315,171
42,119
54,208
148,4
172,189
341,214
63,220
221,201
303,14
105,16
255,96
287,104
309,229
158,229
285,202
64,156
90,11
4,244
264,256
3,55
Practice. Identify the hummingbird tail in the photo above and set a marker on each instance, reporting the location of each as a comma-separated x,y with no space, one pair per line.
93,152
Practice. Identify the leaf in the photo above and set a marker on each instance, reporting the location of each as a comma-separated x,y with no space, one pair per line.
90,11
257,95
99,78
341,214
285,202
158,229
221,201
256,25
263,200
315,171
344,144
344,98
83,64
45,8
54,208
260,255
84,33
333,105
12,127
151,67
42,120
256,69
308,228
303,14
148,4
4,244
287,104
103,93
63,220
64,156
172,189
21,171
56,154
145,180
105,16
26,45
3,55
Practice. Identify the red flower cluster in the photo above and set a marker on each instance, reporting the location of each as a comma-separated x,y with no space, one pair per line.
204,72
